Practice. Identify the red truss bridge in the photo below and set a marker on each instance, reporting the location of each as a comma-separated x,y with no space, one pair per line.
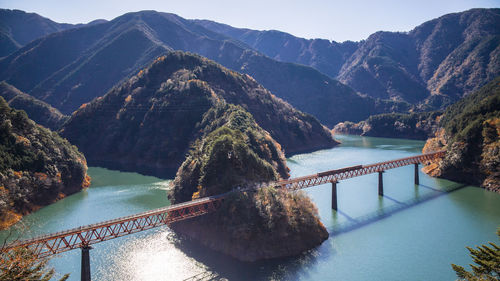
84,236
356,171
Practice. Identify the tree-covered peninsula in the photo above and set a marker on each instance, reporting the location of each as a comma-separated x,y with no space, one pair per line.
233,153
415,125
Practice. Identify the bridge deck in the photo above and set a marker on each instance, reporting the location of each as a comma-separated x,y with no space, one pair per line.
59,242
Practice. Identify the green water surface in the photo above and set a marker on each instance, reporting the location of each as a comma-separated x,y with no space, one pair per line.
412,233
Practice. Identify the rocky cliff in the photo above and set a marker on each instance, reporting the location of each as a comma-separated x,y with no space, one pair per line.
234,153
470,133
37,167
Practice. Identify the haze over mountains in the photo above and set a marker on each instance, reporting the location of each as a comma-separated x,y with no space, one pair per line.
18,28
433,65
69,68
438,62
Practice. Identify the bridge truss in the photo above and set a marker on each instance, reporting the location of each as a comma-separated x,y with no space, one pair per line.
85,236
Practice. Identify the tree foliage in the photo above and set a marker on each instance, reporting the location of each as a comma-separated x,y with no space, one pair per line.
487,263
21,265
232,151
472,136
37,166
464,119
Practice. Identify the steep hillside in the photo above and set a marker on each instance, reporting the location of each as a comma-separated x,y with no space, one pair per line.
92,59
38,111
233,152
149,121
385,66
470,134
415,125
323,55
17,28
37,167
434,65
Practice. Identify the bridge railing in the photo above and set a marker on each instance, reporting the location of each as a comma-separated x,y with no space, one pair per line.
59,242
354,171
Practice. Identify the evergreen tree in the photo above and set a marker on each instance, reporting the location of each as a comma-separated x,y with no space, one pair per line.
21,264
487,259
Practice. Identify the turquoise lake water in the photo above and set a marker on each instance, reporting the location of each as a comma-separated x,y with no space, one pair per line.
412,233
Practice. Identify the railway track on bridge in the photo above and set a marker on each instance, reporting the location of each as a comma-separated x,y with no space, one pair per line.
84,236
355,171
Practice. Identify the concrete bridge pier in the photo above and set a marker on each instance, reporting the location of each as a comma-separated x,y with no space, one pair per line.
85,263
380,183
334,195
417,181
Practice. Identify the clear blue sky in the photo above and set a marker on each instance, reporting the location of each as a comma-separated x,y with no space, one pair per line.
337,20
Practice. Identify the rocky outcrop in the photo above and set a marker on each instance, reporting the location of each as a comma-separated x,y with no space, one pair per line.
147,123
37,167
418,126
233,153
470,134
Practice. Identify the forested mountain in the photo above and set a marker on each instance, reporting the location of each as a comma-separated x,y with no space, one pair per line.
91,59
433,65
147,123
437,63
38,111
37,166
233,151
17,28
414,125
430,67
324,55
470,133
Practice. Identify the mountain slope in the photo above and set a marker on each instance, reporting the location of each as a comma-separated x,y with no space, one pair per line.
323,55
385,66
37,167
92,59
435,64
234,152
147,123
38,111
415,125
470,133
17,28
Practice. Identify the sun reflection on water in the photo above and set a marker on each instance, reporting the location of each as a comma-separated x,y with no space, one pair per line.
154,257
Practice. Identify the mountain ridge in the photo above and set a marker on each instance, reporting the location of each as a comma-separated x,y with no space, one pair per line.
149,121
433,58
17,28
95,58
